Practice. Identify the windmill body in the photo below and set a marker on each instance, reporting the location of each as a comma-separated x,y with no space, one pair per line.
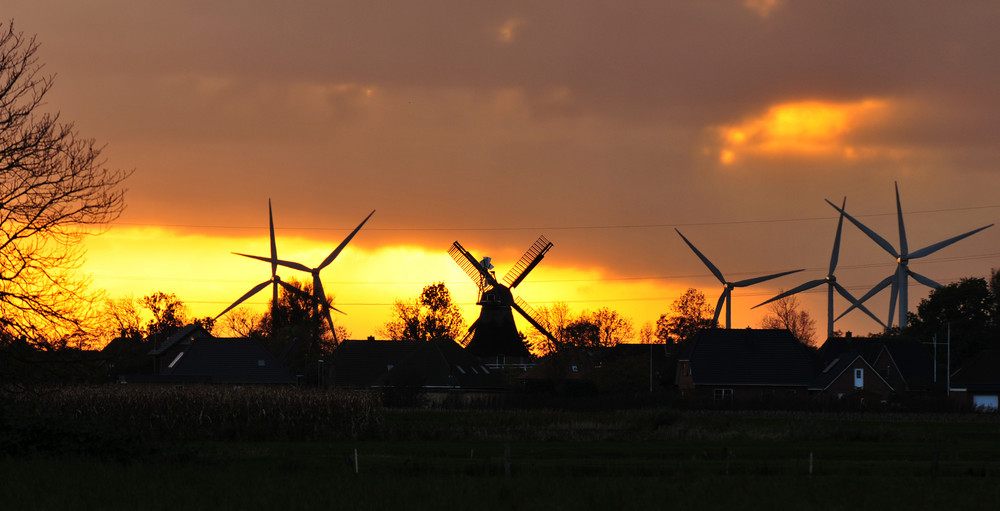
900,277
494,333
727,287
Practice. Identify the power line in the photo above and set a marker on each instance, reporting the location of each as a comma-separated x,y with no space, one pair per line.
564,227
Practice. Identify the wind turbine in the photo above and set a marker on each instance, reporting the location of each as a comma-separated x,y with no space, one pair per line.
727,286
274,281
831,281
319,296
899,279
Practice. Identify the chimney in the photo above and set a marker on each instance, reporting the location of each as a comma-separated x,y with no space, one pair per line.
848,335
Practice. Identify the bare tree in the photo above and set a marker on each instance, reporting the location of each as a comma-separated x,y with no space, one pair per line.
613,327
785,313
54,190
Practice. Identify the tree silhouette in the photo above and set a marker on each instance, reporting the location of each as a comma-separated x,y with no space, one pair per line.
785,313
54,190
689,314
966,310
432,315
295,329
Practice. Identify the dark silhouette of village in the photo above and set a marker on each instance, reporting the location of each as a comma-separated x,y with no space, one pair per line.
493,366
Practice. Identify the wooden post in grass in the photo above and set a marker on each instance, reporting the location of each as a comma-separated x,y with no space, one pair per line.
810,463
355,460
506,459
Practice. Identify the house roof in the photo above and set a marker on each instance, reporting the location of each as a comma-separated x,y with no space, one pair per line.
361,363
749,357
192,331
915,365
835,368
442,363
215,360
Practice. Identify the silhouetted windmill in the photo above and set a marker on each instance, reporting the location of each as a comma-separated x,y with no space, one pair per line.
274,281
831,281
899,279
494,332
727,287
319,295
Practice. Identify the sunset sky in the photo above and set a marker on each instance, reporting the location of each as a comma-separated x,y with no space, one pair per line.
601,125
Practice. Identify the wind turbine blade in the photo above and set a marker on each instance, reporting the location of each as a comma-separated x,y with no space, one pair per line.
871,234
855,303
720,304
333,255
930,249
808,285
715,271
294,290
902,229
872,292
758,280
320,295
274,246
280,262
836,241
254,290
923,280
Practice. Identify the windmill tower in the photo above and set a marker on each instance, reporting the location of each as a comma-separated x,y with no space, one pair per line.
318,297
727,286
831,283
494,333
899,279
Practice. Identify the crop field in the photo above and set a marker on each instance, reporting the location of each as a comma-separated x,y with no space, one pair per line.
252,449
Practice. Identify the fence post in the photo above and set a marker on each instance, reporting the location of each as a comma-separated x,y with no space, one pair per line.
810,463
506,459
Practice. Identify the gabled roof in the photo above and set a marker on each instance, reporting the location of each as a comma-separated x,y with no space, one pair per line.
189,332
212,360
442,363
362,363
749,357
229,361
910,357
835,368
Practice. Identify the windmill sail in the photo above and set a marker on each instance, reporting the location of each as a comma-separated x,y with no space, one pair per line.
527,262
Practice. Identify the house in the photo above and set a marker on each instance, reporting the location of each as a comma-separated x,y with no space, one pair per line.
745,366
429,365
848,376
977,383
193,355
905,365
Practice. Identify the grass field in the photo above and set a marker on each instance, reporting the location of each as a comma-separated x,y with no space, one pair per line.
541,459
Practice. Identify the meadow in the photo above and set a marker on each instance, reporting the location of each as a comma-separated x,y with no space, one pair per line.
119,448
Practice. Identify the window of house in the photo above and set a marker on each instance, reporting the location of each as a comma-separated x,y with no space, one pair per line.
859,378
723,395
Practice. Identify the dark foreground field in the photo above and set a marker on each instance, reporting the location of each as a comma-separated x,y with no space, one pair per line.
540,459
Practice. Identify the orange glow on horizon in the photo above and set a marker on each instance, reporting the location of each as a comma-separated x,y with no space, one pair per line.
811,128
202,271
